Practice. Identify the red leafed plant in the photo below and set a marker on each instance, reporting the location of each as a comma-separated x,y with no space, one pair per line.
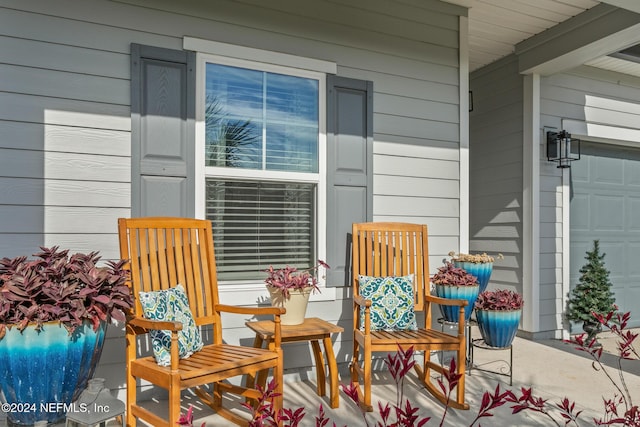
289,278
619,410
404,413
500,300
450,275
187,419
56,286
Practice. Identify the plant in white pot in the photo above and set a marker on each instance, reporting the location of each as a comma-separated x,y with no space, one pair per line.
290,288
54,310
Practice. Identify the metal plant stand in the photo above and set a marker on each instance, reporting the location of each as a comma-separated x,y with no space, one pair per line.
506,368
452,325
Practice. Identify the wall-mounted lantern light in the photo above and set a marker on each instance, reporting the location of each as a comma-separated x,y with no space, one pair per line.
559,148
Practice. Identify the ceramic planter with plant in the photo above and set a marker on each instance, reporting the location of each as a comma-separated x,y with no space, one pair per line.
290,288
53,315
455,283
480,265
498,314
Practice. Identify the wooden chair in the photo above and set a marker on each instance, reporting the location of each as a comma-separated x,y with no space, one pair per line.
399,249
164,252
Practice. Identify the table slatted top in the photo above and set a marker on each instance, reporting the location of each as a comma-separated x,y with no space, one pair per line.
312,327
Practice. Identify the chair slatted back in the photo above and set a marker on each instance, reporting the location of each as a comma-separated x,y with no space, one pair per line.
163,253
392,249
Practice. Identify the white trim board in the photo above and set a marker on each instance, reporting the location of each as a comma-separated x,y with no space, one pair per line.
464,135
602,133
249,295
259,55
531,203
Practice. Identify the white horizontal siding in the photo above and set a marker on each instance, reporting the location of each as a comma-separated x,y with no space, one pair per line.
69,166
444,93
61,57
496,165
68,139
69,112
60,219
63,84
93,25
36,191
588,95
65,115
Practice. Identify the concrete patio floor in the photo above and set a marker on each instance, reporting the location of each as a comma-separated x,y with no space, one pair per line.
554,369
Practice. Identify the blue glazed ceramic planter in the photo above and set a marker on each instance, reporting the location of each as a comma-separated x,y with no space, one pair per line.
450,313
481,270
42,373
498,328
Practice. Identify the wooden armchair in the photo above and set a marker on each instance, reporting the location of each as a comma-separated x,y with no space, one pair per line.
398,249
164,252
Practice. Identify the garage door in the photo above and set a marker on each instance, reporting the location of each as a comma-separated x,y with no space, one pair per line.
605,205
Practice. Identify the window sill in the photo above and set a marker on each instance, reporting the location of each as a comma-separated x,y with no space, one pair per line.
257,294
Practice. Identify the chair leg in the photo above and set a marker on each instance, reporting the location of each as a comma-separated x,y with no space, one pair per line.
356,370
216,394
174,400
278,401
131,399
366,364
355,378
426,373
460,370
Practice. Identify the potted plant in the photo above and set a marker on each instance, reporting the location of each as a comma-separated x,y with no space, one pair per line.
498,313
592,295
455,283
480,265
53,315
290,288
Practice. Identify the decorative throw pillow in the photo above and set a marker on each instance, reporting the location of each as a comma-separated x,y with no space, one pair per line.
392,302
171,305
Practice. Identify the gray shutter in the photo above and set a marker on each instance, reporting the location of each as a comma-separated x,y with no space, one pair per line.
349,169
162,132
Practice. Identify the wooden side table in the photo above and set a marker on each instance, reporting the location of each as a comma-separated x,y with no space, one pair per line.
313,330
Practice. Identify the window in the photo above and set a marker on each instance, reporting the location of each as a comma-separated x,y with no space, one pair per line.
261,150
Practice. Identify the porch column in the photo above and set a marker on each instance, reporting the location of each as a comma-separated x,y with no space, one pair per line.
531,204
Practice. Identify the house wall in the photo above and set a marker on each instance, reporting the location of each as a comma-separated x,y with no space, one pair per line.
496,165
65,116
571,101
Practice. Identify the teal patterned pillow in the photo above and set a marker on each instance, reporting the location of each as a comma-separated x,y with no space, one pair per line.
392,302
171,305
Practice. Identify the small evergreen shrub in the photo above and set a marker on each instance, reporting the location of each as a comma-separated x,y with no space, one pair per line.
593,294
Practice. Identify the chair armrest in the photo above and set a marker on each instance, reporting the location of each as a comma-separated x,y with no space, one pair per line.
274,311
361,301
446,301
141,322
140,325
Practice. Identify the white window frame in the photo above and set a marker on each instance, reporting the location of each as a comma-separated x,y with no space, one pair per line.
240,292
